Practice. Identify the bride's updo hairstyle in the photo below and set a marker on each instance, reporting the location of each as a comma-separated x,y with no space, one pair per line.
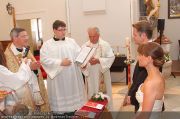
155,51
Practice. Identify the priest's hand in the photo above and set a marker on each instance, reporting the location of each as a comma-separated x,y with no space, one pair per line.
66,62
35,65
94,61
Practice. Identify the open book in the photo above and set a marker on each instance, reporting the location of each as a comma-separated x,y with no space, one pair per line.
85,55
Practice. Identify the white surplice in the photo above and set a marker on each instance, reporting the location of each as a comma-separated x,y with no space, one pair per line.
65,84
92,72
13,81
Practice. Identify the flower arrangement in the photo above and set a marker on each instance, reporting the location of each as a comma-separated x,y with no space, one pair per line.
167,57
99,97
129,61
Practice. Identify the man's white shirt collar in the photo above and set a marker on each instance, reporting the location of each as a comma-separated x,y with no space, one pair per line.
15,51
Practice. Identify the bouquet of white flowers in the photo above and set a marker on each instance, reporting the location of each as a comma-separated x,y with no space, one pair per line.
129,61
167,57
99,97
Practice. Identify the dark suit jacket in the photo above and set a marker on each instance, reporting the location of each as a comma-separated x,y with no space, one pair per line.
139,76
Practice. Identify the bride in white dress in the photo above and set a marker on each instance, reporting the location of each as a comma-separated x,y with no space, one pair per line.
150,94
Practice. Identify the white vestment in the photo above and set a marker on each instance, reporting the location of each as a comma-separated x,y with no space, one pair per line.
65,84
93,72
10,81
7,78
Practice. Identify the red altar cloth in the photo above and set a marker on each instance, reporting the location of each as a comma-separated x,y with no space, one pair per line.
97,112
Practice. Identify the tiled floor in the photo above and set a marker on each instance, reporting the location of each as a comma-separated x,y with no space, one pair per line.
119,90
172,95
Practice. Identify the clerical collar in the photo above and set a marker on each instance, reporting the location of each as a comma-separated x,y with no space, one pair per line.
57,39
19,49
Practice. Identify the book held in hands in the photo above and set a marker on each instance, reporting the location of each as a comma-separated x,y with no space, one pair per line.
85,55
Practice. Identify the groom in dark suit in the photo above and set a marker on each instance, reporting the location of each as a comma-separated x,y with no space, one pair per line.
142,33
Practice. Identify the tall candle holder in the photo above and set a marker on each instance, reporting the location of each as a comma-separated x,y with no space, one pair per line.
117,49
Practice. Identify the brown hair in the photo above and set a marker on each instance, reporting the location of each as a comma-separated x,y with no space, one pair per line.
144,26
2,56
155,51
58,24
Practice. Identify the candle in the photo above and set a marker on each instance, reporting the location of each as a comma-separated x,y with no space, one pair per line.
128,48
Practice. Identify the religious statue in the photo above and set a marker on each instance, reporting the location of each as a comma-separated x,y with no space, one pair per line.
152,11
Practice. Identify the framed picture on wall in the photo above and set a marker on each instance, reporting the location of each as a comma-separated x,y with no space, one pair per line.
173,9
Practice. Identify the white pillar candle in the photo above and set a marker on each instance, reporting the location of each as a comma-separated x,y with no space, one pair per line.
128,48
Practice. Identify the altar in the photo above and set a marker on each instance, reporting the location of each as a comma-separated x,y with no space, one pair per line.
89,110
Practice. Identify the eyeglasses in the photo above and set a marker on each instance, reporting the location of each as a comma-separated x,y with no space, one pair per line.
62,29
24,36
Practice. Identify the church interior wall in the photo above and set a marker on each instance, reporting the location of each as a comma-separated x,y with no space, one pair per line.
5,21
114,22
172,29
47,10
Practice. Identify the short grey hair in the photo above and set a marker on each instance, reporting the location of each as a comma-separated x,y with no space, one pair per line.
94,28
15,32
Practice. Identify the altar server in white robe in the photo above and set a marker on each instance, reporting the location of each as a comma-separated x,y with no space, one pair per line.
65,84
97,71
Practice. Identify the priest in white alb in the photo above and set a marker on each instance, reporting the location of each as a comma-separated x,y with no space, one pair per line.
65,83
97,70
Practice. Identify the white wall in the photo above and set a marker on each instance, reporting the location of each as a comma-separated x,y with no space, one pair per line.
114,23
48,10
172,26
172,29
6,22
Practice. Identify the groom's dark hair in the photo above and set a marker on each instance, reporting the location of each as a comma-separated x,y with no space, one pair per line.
144,26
